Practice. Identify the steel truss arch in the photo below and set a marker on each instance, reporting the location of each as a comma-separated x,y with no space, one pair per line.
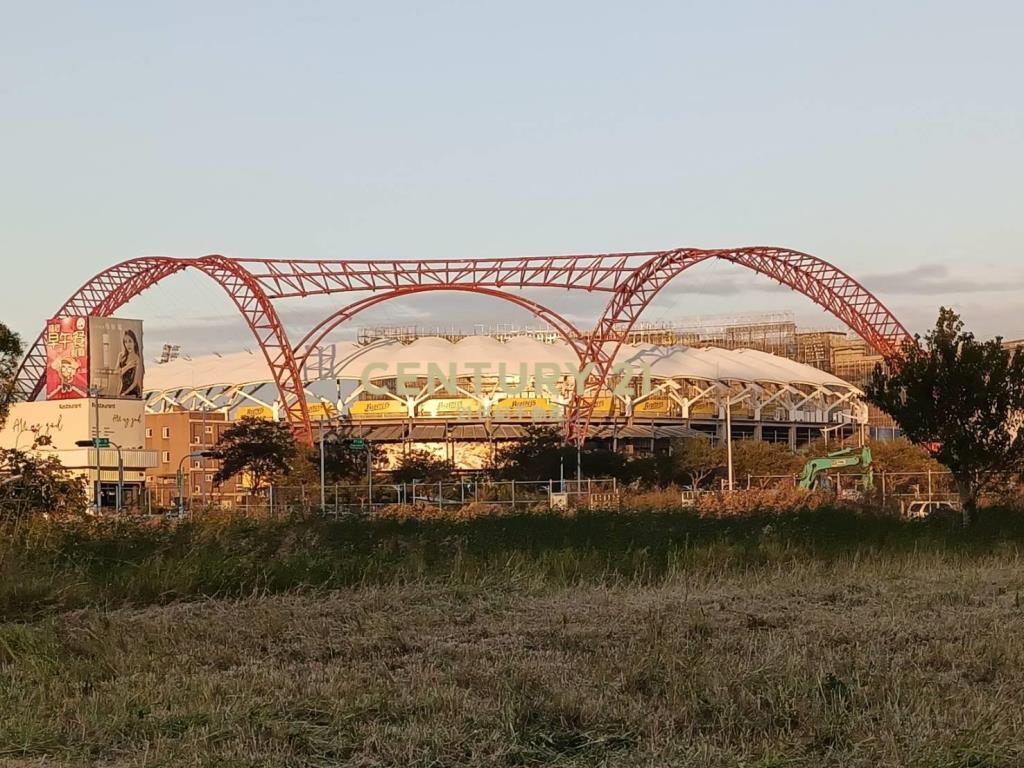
827,286
109,290
569,332
633,280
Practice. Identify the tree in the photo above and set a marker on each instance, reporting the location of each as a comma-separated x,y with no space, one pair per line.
10,355
422,467
539,455
961,397
901,455
31,483
264,449
342,462
755,457
697,458
658,470
542,454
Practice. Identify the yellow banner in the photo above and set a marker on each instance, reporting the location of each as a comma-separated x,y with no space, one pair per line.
377,409
254,412
523,407
454,406
653,406
704,408
603,406
319,411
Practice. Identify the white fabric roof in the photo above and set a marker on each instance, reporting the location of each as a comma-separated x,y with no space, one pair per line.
348,360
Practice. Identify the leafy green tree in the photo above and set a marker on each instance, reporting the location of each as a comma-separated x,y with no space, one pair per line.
646,471
961,397
901,455
342,462
758,458
422,467
10,356
542,454
537,456
35,484
697,459
263,449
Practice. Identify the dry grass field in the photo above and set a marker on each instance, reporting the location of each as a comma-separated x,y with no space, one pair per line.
788,654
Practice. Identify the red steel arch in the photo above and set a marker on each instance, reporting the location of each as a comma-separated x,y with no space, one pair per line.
633,279
316,335
112,288
101,295
826,285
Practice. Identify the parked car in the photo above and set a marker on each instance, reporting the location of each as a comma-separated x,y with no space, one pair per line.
916,510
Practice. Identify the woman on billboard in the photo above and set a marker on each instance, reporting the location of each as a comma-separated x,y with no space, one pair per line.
129,366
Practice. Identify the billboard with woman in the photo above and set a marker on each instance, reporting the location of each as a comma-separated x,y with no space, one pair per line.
116,365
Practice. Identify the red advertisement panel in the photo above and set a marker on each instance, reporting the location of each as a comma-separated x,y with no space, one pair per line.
67,358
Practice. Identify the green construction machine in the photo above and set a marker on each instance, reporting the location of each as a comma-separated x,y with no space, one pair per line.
815,474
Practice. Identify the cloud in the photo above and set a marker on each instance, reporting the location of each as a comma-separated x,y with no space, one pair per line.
722,285
937,280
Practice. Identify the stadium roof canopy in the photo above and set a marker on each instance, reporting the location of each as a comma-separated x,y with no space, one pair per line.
348,361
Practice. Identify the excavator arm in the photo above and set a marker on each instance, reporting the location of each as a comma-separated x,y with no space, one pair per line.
816,470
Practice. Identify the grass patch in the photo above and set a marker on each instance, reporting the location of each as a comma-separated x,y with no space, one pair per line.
46,568
818,639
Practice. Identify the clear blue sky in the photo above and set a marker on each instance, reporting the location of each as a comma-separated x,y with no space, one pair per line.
886,137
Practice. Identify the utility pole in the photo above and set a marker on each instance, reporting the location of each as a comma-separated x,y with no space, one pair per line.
120,478
728,438
369,475
579,470
323,490
94,393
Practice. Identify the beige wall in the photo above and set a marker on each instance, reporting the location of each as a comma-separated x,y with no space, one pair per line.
66,421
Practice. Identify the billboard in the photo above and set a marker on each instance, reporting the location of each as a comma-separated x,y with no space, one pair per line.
254,412
67,358
116,364
65,423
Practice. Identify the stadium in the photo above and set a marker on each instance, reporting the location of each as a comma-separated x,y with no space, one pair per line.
357,385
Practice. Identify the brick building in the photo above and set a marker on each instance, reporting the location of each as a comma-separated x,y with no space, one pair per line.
176,435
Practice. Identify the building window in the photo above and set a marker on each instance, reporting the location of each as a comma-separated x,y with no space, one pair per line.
165,457
196,464
149,431
198,489
165,433
209,429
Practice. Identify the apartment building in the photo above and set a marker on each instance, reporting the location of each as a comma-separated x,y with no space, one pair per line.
175,436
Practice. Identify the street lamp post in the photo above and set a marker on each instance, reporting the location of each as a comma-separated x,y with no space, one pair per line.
323,488
119,496
728,438
94,393
181,479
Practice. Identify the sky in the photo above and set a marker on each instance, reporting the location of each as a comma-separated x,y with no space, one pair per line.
884,137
